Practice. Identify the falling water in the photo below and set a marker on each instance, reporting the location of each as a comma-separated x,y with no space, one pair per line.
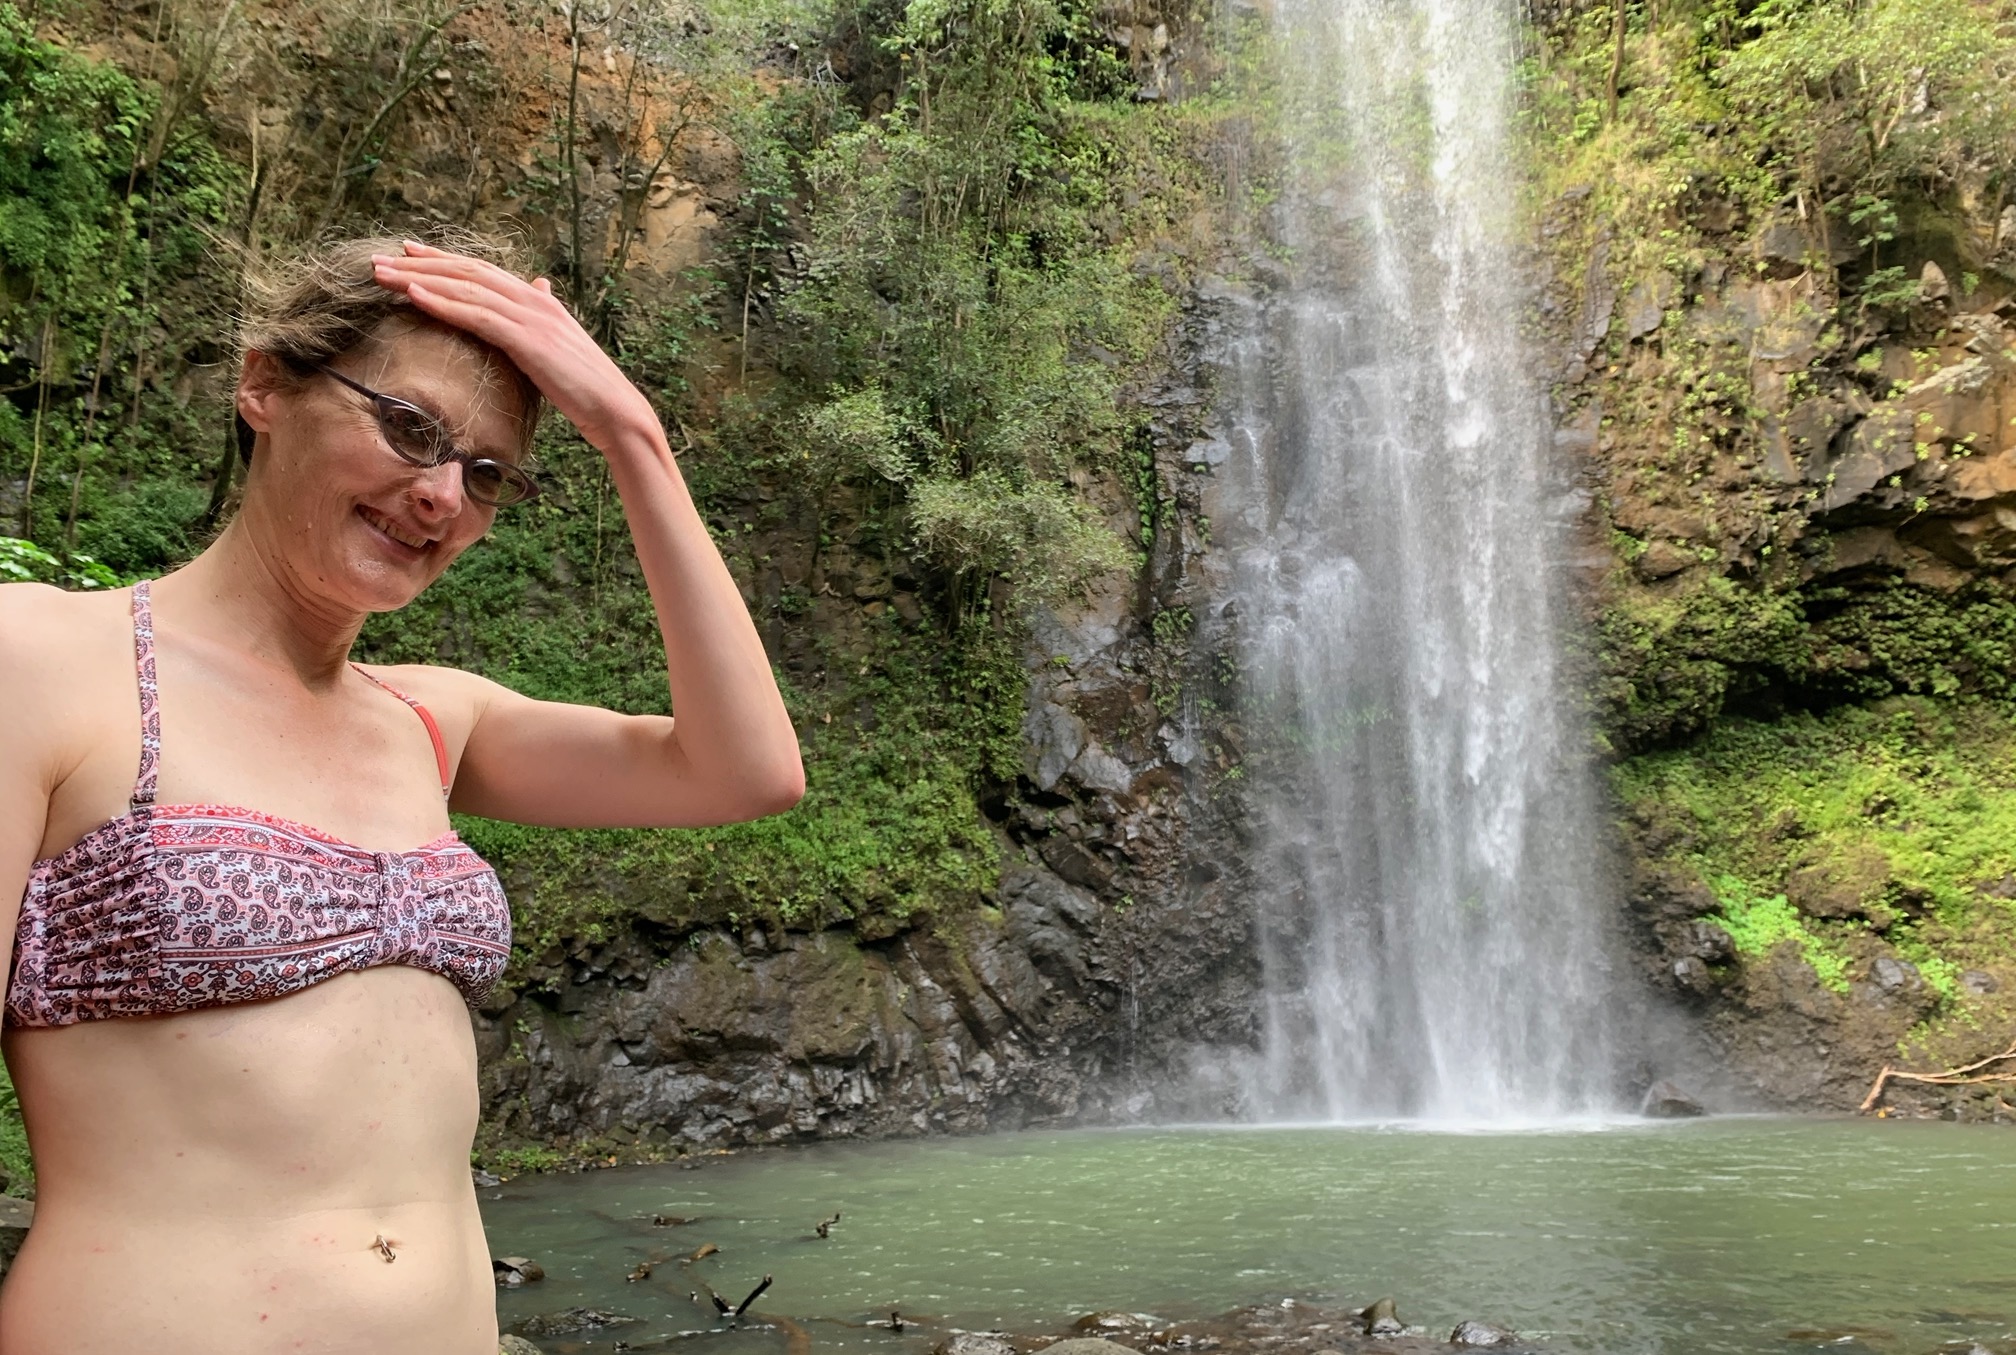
1434,946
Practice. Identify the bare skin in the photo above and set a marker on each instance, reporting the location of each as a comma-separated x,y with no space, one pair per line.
231,1180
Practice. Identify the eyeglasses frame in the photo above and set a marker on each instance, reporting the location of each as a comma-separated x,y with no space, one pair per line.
381,402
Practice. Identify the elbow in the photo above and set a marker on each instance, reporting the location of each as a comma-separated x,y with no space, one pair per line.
778,790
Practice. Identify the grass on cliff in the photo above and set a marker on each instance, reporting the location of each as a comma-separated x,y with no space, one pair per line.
1922,791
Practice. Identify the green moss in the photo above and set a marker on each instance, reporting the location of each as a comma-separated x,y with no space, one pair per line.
1669,663
1927,788
1757,925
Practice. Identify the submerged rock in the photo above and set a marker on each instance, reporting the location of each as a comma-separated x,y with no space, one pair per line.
1479,1334
568,1321
1117,1321
1665,1101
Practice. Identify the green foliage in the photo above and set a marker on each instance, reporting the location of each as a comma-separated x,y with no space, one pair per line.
889,830
1887,91
1757,925
1669,664
1926,789
67,129
102,193
960,307
1871,642
25,562
17,1168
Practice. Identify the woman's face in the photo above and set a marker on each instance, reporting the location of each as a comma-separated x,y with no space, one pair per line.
349,520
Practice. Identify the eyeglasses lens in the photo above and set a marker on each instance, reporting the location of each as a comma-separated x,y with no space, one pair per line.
414,434
492,482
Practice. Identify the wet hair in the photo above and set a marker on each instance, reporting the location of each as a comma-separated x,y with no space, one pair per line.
325,301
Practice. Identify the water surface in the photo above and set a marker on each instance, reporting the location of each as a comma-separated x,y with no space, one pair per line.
1705,1237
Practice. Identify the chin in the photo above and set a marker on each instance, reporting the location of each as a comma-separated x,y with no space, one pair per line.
373,587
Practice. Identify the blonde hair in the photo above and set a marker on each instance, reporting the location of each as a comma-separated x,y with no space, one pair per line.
325,301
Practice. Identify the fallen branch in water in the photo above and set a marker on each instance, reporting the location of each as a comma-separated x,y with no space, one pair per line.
743,1306
1964,1076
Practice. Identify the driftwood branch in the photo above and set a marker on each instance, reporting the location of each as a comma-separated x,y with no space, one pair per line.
1966,1075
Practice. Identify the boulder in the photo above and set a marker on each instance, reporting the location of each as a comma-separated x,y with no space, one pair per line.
1383,1319
1475,1333
1848,884
512,1271
1893,975
516,1345
1662,560
973,1343
1087,1345
1665,1101
1711,943
1691,973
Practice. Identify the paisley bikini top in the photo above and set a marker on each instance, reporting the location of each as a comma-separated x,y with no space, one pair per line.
168,908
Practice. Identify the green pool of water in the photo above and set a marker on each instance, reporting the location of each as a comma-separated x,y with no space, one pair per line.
1702,1237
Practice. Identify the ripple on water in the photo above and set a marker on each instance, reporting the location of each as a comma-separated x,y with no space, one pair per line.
1704,1238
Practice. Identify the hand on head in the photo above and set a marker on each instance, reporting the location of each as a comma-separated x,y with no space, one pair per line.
529,325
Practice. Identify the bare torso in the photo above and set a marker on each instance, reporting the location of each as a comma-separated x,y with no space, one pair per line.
217,1181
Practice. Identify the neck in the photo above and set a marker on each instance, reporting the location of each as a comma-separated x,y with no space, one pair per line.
239,592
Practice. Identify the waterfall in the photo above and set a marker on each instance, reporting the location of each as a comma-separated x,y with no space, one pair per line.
1432,937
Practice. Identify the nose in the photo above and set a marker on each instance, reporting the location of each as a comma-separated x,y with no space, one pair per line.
437,491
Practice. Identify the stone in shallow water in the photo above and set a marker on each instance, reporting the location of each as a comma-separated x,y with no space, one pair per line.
516,1345
1479,1334
1117,1321
973,1343
1088,1345
1383,1319
571,1320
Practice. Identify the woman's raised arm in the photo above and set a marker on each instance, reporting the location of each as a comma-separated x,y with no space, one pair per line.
732,753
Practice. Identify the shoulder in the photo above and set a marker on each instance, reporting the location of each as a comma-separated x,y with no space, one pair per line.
44,630
450,694
59,654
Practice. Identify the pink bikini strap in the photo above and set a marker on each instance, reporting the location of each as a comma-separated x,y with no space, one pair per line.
150,697
426,718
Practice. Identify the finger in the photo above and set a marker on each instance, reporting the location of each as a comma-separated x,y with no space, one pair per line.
448,265
544,284
503,291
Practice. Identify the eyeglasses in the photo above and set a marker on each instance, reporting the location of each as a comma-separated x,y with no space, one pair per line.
417,438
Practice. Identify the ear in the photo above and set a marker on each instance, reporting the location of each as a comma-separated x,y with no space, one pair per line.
260,379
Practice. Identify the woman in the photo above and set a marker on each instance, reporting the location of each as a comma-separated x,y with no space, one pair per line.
236,1015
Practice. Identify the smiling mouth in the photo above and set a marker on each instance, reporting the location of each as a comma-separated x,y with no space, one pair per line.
389,528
